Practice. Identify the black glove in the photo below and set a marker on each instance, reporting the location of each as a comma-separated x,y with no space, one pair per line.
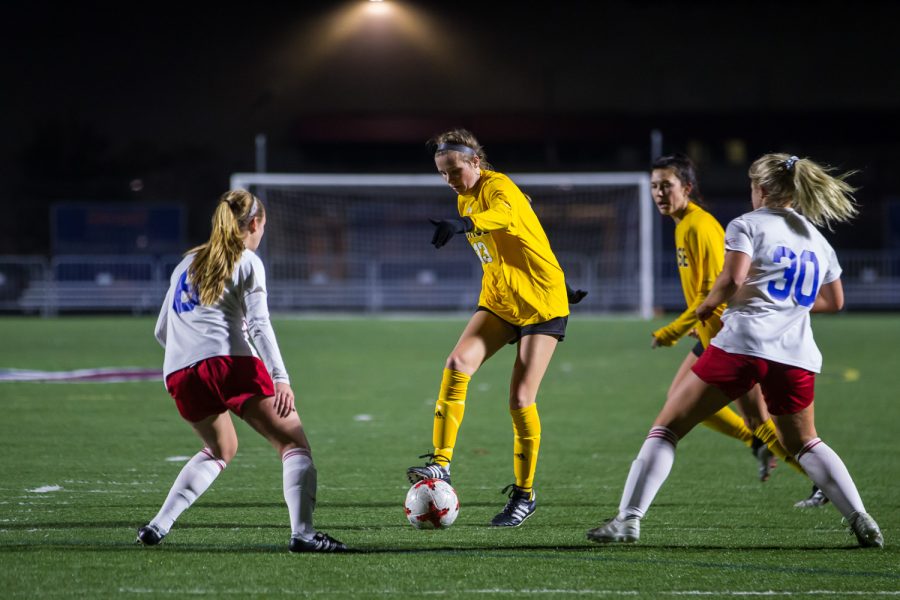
444,229
575,296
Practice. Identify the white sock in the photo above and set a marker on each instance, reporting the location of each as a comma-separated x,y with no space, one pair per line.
195,478
648,472
299,477
828,472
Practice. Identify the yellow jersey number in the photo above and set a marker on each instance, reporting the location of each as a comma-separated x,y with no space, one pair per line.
482,252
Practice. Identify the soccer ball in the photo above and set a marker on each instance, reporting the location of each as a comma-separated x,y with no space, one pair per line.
431,504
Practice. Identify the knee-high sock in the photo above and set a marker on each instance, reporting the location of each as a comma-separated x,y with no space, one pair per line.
729,423
195,478
526,444
299,478
828,472
648,472
448,414
766,433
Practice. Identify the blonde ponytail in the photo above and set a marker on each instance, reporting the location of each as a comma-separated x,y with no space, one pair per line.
809,187
215,260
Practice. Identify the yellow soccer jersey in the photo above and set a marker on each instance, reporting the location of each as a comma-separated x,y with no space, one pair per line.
700,255
523,282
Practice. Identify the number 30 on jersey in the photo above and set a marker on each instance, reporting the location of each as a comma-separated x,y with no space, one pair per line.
793,278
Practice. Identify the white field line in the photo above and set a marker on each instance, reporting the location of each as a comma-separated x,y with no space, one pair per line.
528,592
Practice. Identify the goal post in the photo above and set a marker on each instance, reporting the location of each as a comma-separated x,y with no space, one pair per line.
356,242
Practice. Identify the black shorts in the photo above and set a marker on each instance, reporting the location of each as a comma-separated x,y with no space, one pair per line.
697,349
555,327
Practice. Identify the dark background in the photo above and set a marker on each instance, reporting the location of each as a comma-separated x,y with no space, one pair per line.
162,102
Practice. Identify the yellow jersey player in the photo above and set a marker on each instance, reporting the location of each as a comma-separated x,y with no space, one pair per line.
524,301
700,255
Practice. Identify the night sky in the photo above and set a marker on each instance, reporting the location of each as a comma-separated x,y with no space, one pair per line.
156,102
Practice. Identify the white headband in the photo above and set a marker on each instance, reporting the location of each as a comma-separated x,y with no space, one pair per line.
254,208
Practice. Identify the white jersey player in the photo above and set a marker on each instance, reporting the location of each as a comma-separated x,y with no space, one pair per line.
215,307
777,269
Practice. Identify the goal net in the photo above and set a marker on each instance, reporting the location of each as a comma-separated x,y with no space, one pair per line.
361,242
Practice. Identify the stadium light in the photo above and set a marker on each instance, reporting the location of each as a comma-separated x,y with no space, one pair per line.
378,8
373,28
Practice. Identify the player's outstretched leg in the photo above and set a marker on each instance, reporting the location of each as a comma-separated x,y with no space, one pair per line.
195,478
828,472
647,474
448,415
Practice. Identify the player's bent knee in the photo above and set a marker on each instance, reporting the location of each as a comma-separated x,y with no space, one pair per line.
457,362
300,445
521,398
224,452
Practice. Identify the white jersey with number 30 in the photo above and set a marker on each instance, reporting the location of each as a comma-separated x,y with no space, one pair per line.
769,317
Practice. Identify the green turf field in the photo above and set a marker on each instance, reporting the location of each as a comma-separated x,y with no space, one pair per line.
715,531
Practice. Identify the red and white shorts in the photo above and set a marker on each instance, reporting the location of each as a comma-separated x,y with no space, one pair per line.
787,389
214,385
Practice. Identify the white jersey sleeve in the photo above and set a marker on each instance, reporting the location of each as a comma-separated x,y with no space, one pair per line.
833,273
768,316
737,237
259,327
159,332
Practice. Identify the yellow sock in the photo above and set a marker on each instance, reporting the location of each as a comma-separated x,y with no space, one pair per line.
766,432
728,422
448,414
526,443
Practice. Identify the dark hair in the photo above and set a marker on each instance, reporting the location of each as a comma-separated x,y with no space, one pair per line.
684,171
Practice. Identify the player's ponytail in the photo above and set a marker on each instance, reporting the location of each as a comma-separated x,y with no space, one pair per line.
811,189
462,141
215,260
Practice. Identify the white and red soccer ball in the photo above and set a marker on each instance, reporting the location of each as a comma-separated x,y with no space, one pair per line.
431,504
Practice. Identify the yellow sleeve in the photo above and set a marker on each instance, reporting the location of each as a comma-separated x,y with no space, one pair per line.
499,214
677,329
705,260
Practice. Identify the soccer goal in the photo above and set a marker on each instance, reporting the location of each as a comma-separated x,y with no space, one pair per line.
357,242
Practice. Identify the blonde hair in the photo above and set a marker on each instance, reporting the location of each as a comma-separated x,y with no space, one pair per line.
215,260
461,137
815,193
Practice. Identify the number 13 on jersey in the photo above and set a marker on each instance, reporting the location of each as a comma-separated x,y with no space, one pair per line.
482,251
795,276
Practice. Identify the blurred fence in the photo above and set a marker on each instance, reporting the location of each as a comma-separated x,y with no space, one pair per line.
137,284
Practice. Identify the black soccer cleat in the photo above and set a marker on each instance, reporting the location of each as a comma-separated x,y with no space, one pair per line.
431,470
149,535
321,542
520,506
